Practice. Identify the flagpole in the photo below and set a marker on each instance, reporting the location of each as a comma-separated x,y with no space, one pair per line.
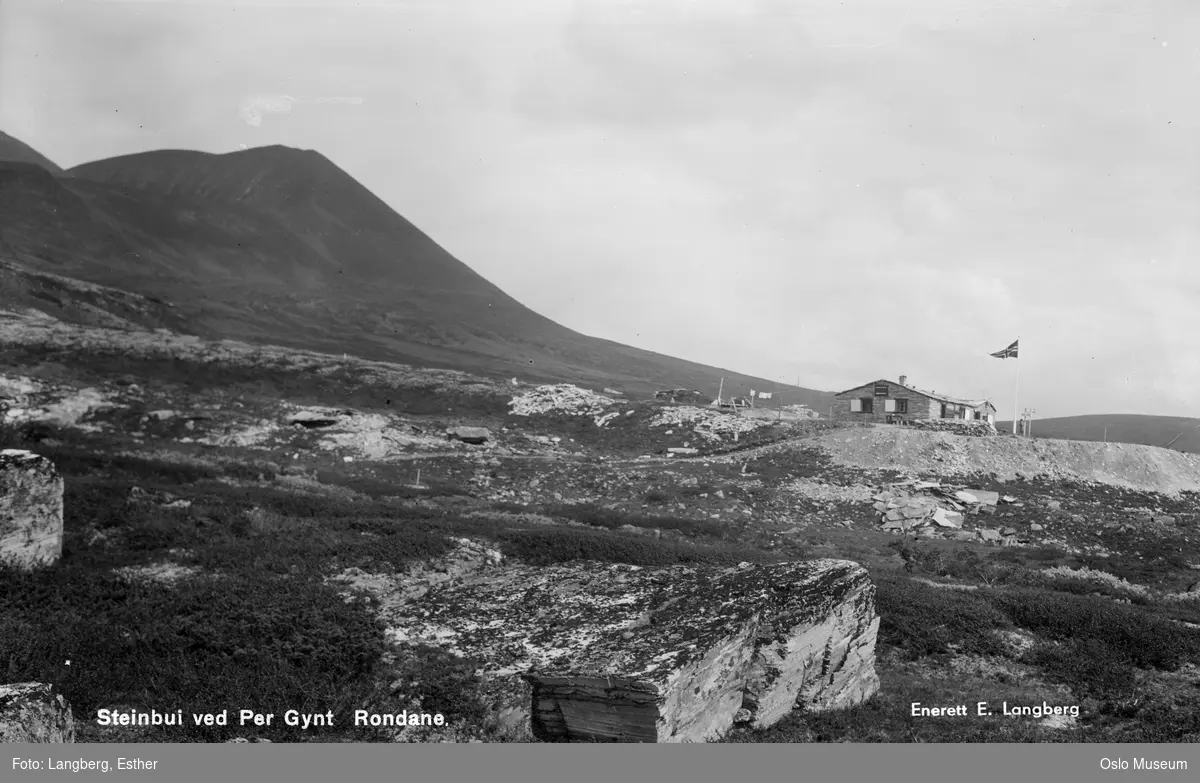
1016,387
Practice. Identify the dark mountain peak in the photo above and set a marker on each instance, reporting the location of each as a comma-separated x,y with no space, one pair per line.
269,176
313,215
16,151
278,244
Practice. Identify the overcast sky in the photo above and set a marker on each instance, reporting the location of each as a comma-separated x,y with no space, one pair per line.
838,190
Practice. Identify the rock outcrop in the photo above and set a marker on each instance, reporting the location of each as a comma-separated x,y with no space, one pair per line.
31,510
32,712
628,654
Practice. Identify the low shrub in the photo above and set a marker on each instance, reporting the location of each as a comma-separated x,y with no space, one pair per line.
924,620
962,564
1091,667
1148,638
551,546
250,641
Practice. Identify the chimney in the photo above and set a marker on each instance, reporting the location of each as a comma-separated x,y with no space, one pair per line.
903,378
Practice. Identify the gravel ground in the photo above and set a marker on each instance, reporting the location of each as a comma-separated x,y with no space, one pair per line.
913,452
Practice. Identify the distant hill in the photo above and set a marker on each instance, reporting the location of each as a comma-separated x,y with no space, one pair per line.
15,151
1183,434
279,245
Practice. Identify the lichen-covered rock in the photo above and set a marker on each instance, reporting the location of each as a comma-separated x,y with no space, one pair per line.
31,510
32,712
622,653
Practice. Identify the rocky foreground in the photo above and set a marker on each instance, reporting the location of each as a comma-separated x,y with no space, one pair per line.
604,652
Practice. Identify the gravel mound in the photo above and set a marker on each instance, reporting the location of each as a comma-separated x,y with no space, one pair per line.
1132,466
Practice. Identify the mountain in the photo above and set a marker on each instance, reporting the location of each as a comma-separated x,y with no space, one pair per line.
15,151
1183,434
279,245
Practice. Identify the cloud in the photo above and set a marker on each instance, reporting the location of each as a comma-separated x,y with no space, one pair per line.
254,107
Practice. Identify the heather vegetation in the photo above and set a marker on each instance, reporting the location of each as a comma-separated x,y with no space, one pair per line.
204,576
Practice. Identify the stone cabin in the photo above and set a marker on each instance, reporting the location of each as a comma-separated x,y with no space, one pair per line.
889,402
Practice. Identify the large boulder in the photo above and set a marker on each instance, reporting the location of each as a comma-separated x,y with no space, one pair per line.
622,653
31,510
32,712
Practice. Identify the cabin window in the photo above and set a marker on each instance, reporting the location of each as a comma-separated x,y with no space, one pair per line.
881,390
889,406
943,410
901,405
868,405
856,406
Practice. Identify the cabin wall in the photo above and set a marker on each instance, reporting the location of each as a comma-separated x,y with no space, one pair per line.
919,406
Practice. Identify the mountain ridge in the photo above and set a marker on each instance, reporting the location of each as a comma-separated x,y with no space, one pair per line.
280,245
14,150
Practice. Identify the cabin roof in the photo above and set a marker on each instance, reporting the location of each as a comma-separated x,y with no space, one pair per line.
924,393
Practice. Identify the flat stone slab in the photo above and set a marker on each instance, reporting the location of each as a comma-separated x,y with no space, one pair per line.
474,435
628,654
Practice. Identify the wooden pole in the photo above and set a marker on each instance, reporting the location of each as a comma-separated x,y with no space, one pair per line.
1016,386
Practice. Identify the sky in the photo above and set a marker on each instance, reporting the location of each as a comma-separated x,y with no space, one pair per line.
829,191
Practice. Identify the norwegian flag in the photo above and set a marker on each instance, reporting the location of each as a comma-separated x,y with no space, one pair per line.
1007,352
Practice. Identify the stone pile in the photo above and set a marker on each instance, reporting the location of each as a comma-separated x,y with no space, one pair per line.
956,426
924,506
709,423
609,652
32,712
31,510
560,398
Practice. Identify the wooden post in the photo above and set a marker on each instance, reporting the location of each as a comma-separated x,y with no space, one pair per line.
1016,387
418,484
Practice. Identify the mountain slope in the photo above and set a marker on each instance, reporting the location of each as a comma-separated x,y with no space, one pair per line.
279,245
16,151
